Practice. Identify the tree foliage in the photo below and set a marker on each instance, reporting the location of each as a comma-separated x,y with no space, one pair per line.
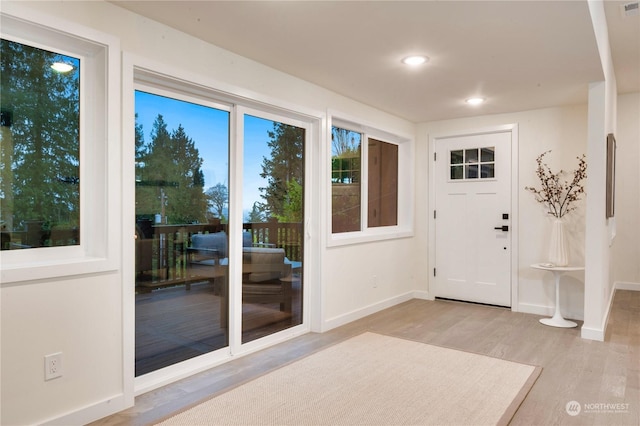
256,215
345,156
218,199
171,182
344,143
281,169
39,154
292,207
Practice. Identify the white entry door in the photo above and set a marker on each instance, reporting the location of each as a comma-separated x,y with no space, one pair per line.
473,218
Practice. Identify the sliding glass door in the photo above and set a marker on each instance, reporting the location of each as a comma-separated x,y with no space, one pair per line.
182,199
273,243
218,259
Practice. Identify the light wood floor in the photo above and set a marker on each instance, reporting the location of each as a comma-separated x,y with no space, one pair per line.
592,373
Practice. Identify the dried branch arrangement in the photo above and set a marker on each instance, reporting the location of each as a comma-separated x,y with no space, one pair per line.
556,194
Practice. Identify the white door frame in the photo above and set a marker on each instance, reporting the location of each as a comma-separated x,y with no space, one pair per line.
514,225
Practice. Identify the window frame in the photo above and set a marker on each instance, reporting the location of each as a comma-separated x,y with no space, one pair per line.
99,149
405,214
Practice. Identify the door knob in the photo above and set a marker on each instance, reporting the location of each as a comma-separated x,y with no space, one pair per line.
504,228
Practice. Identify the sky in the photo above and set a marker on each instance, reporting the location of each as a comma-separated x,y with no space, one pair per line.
209,129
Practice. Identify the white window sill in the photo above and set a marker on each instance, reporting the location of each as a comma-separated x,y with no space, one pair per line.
40,270
348,238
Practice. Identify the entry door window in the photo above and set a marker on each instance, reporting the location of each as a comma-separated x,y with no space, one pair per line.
182,200
473,163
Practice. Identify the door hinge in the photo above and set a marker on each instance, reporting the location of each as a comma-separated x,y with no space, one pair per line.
434,214
434,272
434,156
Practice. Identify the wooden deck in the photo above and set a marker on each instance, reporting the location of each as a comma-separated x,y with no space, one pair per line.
177,323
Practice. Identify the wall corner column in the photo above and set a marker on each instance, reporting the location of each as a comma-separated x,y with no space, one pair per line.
596,244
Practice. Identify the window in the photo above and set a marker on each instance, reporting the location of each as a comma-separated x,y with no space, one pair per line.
364,200
40,147
383,184
345,180
59,165
470,164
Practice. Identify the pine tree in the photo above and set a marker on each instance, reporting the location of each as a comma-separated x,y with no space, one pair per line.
218,198
171,179
256,215
40,138
286,164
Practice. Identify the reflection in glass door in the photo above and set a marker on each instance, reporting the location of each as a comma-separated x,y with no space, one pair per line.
273,231
182,156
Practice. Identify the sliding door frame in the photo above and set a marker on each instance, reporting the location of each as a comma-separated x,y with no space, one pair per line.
236,221
138,72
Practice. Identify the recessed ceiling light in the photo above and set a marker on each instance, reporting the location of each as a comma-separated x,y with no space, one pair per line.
61,67
415,60
475,101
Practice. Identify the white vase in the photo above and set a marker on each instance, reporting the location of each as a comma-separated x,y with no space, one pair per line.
558,249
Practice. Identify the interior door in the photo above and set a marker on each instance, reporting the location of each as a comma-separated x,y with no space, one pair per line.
473,218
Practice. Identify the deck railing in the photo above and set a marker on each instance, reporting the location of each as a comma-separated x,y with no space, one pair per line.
162,250
35,236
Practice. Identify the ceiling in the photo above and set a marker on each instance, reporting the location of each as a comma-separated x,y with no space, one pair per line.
519,55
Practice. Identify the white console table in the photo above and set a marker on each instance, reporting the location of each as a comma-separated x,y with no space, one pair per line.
558,271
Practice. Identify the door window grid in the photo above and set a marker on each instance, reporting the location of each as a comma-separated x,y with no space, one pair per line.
472,163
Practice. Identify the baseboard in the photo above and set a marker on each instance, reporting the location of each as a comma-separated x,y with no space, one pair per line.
548,311
339,320
528,308
423,295
92,412
591,333
594,334
621,285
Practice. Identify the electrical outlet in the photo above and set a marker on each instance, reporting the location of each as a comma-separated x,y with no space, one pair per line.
52,366
375,281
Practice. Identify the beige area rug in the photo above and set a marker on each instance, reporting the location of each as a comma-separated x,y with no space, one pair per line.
373,379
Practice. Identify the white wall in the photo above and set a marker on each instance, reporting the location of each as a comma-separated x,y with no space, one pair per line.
350,287
83,316
602,121
626,251
80,317
563,131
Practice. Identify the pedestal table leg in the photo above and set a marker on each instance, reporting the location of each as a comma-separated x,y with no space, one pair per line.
557,320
